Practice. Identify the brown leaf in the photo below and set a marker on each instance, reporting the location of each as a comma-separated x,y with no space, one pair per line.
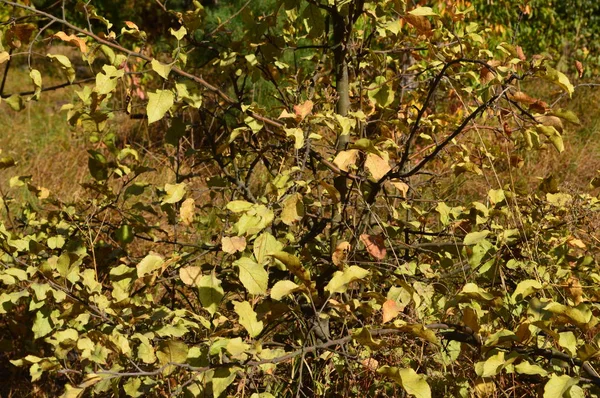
520,53
340,254
233,244
370,363
579,67
551,121
187,211
420,23
507,129
522,98
400,186
539,107
375,245
470,319
390,310
303,110
575,290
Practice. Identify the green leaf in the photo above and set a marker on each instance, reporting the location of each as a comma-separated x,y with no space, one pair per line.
238,206
282,289
525,288
132,387
264,245
423,12
567,115
145,351
43,324
560,79
253,276
124,234
364,337
174,193
341,279
414,383
163,70
222,378
210,291
15,102
149,264
557,386
475,237
72,392
493,365
529,369
158,104
179,33
171,351
65,65
294,265
298,135
568,341
107,82
248,318
553,136
36,77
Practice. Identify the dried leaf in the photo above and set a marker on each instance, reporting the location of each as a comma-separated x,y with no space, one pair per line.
377,166
187,210
345,159
234,244
579,67
303,110
520,53
390,310
375,245
370,363
575,290
340,254
72,39
420,23
190,275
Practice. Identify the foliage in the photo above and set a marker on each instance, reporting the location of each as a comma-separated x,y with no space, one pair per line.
308,241
565,29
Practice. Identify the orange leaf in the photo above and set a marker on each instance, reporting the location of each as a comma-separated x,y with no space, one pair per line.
579,67
303,110
340,254
375,245
520,53
72,39
390,310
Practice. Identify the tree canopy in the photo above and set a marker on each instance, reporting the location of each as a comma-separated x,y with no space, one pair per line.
344,204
